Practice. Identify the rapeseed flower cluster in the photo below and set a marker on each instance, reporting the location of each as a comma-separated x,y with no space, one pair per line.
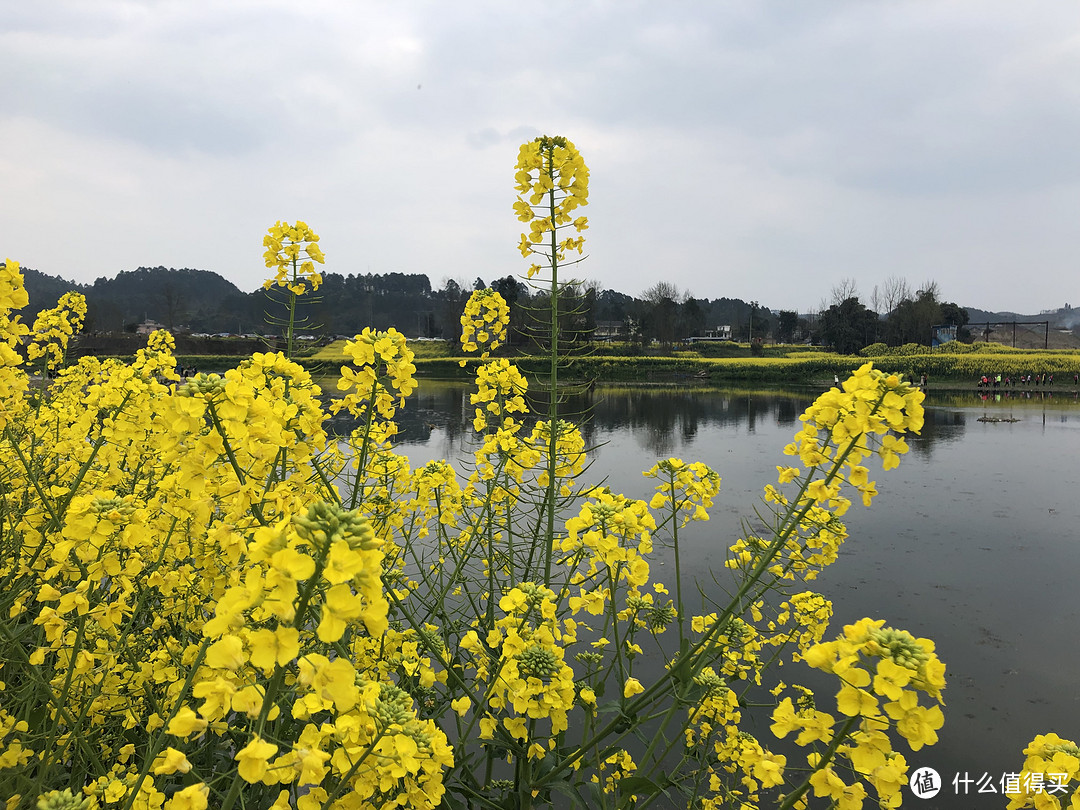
53,329
880,668
806,616
613,534
484,322
189,609
564,449
870,415
688,488
292,252
13,297
500,392
534,681
1050,778
382,374
552,182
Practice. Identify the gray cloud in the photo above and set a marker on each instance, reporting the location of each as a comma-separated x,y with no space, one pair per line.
761,150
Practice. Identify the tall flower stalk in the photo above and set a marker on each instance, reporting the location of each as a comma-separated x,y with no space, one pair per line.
292,252
552,183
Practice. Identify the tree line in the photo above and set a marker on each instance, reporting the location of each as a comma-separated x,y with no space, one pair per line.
897,315
200,301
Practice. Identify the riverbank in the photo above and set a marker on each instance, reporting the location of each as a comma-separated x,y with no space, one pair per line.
959,369
955,365
953,371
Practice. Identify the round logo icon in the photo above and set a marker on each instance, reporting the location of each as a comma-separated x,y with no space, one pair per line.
925,783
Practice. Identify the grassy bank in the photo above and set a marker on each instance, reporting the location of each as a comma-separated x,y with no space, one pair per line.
960,365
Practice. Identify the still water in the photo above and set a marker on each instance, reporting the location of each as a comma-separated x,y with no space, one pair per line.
972,542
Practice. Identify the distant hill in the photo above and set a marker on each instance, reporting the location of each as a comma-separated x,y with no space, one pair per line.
196,299
188,300
1064,318
1058,334
174,298
45,291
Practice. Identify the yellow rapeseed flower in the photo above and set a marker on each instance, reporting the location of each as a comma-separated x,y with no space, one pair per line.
254,759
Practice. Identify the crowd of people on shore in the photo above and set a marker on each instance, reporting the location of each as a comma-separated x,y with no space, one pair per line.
1029,380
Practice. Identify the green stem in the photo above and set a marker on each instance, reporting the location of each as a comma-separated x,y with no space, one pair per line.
324,479
33,478
256,508
15,646
678,566
361,463
292,313
61,700
553,370
826,758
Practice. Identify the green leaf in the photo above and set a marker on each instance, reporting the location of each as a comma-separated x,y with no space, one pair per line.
609,707
573,793
692,692
639,784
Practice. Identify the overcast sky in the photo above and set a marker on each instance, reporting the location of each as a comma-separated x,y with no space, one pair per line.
759,150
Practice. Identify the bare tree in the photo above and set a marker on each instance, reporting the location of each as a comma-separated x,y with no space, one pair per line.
843,290
930,290
894,291
822,305
661,290
660,312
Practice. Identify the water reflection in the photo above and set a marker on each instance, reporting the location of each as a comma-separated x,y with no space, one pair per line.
663,420
435,406
984,396
941,426
1007,405
660,418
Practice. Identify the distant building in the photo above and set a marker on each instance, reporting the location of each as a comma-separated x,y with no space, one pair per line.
610,330
940,335
148,326
712,335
